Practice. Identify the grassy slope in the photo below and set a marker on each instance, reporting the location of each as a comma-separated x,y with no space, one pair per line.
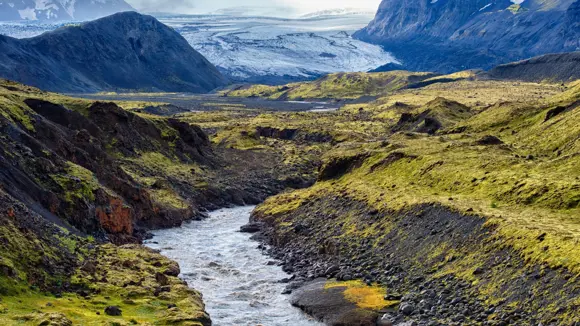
335,86
528,187
49,276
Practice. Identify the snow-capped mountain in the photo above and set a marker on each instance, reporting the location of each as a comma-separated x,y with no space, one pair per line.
13,10
473,34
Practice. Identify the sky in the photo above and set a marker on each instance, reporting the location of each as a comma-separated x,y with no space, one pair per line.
203,6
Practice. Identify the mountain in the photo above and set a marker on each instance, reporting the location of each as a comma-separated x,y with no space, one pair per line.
460,34
550,67
125,51
61,9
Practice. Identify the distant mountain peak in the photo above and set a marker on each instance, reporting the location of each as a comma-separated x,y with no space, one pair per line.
60,9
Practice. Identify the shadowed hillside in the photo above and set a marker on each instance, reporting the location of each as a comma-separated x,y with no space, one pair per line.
125,51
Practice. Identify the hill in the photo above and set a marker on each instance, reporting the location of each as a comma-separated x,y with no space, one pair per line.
334,86
125,51
445,202
561,67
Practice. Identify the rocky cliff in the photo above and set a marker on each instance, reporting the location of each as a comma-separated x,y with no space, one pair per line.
125,51
60,9
454,35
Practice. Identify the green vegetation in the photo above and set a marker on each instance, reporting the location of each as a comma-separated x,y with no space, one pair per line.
508,152
334,86
515,8
125,277
78,183
504,151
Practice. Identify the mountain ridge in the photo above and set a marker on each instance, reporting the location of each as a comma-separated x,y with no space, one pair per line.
457,35
124,51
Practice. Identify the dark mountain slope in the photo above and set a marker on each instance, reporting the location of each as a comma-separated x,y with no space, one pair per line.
550,67
122,51
454,35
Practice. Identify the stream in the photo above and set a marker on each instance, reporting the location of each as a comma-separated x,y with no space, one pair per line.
240,285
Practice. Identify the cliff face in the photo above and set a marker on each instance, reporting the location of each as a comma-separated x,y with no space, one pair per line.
61,165
125,51
459,34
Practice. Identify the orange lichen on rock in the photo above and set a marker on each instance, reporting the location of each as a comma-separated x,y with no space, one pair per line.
117,218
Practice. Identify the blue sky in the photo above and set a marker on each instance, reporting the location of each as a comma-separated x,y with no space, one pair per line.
201,6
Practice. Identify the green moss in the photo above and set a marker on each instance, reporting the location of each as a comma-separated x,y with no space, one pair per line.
515,8
78,183
137,302
16,112
335,86
526,186
168,198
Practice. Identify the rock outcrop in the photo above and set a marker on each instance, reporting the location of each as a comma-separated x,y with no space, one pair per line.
125,51
455,35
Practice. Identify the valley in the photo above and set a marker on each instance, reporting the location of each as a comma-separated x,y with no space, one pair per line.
479,177
237,169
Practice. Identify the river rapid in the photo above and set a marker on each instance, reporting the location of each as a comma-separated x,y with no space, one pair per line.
240,285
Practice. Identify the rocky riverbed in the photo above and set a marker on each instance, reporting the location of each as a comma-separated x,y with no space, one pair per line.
421,284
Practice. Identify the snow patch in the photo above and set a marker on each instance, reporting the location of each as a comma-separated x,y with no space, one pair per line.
45,5
485,7
27,14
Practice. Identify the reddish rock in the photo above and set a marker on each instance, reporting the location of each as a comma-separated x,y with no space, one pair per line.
117,218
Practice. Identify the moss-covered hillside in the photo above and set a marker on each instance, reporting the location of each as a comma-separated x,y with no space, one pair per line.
77,175
473,190
334,86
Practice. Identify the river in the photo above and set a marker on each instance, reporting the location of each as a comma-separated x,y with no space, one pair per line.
240,285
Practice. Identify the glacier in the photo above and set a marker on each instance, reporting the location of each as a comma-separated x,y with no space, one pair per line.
278,50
